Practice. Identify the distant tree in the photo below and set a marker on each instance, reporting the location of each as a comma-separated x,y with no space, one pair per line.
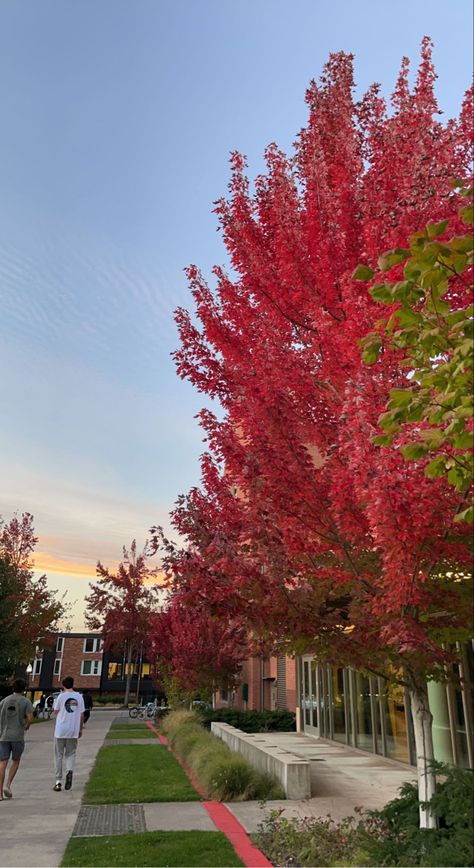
121,604
199,652
29,610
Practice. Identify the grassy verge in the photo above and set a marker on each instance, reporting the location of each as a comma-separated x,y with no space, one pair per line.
134,773
152,849
130,732
222,774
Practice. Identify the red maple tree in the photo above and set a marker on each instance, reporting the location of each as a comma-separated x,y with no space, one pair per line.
121,604
322,542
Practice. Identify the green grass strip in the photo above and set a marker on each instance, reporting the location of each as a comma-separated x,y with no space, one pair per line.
129,732
128,773
152,849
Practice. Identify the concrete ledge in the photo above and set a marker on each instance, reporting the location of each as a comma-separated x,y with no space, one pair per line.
292,771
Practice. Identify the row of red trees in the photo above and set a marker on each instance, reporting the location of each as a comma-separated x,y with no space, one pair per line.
304,532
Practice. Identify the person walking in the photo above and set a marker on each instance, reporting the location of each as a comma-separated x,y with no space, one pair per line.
88,705
69,712
16,715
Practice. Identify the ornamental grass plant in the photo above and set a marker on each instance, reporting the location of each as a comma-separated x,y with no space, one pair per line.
222,774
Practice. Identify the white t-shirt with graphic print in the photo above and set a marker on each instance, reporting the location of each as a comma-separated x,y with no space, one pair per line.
70,706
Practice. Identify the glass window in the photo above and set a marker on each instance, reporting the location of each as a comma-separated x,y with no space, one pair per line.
395,722
57,666
132,668
339,704
114,670
91,667
145,670
37,667
307,693
92,645
363,712
60,644
314,692
460,728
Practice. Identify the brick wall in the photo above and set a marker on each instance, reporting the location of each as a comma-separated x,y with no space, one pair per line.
71,657
252,673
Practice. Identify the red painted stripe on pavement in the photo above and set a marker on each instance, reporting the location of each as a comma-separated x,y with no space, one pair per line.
162,738
236,834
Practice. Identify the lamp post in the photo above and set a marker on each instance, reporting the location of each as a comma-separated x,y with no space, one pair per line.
29,670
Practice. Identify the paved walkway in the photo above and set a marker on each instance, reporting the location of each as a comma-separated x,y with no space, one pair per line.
37,823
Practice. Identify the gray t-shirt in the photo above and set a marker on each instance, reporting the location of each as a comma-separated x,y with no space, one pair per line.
13,711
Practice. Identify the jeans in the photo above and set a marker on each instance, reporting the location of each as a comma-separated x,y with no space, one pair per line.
67,746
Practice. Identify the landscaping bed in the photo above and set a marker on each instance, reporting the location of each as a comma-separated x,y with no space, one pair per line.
223,775
152,849
390,837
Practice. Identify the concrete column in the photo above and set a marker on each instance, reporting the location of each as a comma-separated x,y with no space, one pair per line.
442,744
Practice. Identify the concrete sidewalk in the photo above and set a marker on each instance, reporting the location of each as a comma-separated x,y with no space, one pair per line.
35,826
37,823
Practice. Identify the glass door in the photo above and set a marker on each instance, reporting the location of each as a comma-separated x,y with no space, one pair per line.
309,696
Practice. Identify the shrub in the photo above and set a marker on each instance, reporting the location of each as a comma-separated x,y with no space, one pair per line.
106,699
378,838
251,721
223,774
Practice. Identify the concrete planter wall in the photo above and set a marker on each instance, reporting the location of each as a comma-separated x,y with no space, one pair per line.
292,771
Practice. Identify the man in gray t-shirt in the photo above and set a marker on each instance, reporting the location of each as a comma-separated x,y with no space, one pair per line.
16,714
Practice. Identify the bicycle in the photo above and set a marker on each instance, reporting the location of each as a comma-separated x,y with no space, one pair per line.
143,712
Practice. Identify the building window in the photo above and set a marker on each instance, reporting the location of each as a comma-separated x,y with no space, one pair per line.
91,667
37,667
131,668
114,670
57,666
60,644
146,673
91,646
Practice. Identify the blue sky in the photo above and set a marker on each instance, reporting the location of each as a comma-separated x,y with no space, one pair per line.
118,119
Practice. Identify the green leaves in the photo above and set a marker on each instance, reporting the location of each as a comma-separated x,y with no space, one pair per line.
435,332
393,257
435,229
363,272
371,346
414,451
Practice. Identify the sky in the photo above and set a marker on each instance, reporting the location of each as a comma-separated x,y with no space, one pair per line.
118,119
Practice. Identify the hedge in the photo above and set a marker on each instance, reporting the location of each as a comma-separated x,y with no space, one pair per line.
222,774
251,721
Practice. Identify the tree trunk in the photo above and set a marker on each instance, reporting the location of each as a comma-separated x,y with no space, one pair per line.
129,673
422,725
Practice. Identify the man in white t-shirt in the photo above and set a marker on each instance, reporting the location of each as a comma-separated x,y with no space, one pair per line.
69,712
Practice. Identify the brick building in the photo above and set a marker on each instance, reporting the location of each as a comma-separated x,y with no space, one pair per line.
82,655
76,654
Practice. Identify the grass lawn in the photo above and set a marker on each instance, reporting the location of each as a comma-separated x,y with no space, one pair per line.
130,732
127,773
152,849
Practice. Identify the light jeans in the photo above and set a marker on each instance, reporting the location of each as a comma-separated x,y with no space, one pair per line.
63,746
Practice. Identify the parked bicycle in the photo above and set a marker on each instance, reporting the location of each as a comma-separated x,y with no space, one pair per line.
143,712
